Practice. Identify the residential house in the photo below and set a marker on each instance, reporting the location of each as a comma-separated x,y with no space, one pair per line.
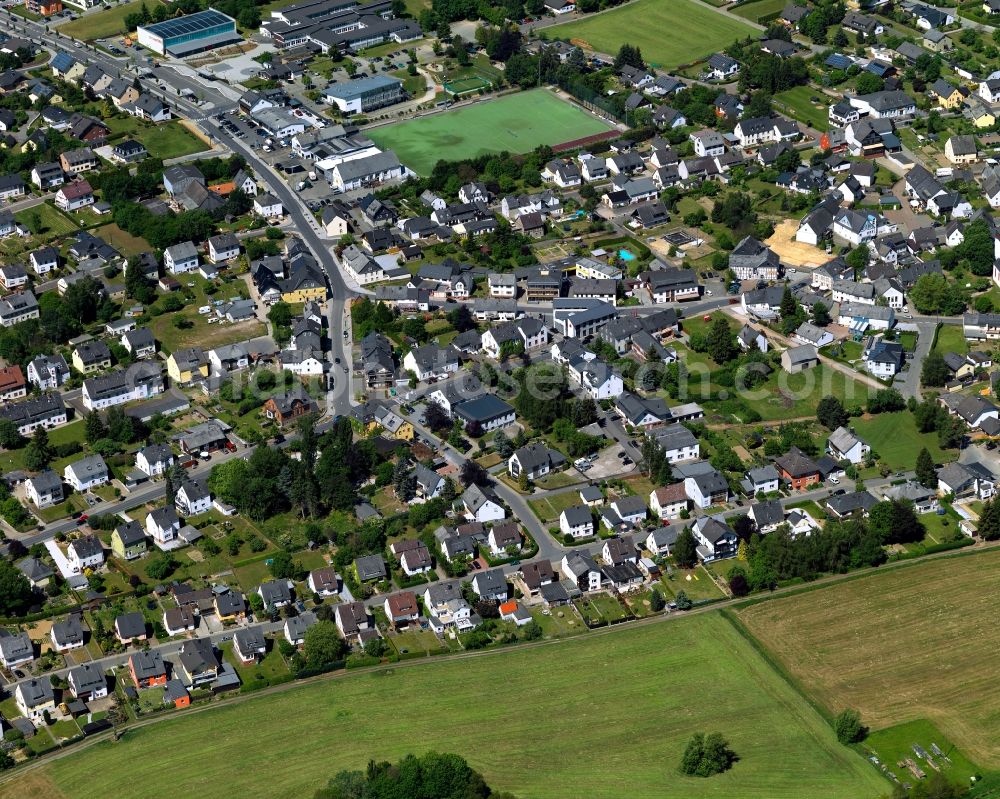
86,473
797,469
128,541
576,522
845,445
147,669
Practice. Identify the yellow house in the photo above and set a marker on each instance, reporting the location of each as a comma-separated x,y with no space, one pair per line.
948,96
75,72
303,294
187,366
303,284
398,427
91,356
982,117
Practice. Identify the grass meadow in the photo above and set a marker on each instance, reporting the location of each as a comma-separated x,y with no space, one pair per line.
601,715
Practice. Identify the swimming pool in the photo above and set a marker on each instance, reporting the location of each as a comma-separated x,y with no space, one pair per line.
626,255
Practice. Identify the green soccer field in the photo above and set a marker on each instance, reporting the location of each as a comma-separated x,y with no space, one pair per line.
517,123
602,715
669,32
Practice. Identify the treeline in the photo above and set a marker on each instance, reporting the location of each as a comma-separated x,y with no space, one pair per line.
840,546
430,776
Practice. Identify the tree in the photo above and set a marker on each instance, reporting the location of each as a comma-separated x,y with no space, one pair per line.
858,258
683,601
988,526
935,371
10,437
820,314
472,473
895,522
926,473
629,56
721,342
789,306
934,294
323,645
161,566
283,567
738,585
94,429
848,727
830,413
656,601
706,755
15,590
685,549
461,318
39,452
502,445
435,417
869,83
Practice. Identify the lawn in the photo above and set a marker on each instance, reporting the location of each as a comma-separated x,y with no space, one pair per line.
548,508
786,750
170,140
49,221
785,396
894,437
756,9
201,334
951,338
124,242
695,583
103,24
796,103
517,123
695,31
899,646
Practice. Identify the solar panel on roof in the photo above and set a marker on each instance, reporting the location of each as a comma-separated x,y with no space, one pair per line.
199,21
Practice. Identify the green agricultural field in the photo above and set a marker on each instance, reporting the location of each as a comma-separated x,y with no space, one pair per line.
900,646
623,738
104,23
894,437
669,32
517,123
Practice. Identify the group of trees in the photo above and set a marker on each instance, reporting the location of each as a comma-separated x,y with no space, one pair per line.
60,319
838,547
935,294
430,776
930,416
270,482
